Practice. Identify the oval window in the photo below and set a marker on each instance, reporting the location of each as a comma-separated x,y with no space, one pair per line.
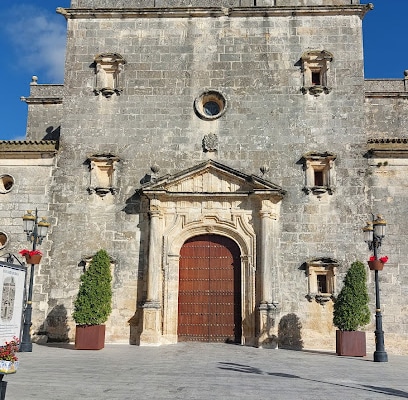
210,105
3,240
6,183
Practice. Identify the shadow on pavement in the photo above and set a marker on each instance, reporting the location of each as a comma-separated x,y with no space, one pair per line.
247,369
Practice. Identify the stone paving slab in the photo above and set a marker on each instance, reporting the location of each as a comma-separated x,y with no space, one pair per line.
196,371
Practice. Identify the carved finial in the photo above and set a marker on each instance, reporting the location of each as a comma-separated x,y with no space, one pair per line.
264,169
34,80
406,73
62,11
155,168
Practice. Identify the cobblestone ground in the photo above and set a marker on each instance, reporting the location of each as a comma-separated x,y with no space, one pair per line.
202,371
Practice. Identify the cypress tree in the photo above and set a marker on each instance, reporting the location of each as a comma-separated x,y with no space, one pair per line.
93,304
351,307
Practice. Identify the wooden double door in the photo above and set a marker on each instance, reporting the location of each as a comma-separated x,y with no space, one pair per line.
209,302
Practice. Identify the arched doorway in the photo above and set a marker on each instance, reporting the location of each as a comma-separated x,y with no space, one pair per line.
209,301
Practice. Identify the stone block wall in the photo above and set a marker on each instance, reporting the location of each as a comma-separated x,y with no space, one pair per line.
388,183
32,177
255,63
386,108
44,111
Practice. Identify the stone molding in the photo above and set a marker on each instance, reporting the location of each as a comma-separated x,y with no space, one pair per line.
386,94
388,148
42,100
212,12
28,149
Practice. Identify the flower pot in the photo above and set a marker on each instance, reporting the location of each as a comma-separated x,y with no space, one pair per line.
35,259
8,367
89,337
376,265
351,343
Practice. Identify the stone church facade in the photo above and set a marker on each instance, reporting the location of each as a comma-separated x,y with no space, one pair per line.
226,154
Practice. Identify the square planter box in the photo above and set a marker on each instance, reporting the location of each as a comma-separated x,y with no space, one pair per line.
8,367
89,337
351,343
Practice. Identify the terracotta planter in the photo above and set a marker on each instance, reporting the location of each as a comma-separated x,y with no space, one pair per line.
36,259
89,337
351,343
376,265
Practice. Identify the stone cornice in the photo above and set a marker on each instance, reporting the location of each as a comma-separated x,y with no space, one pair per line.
203,12
41,100
28,148
387,148
386,94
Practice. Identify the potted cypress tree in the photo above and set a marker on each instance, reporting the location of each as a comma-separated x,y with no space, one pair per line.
93,304
351,312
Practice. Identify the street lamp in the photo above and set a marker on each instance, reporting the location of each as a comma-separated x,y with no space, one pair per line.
374,233
36,231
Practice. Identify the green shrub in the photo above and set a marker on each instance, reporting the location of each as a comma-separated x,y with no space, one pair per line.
351,307
93,304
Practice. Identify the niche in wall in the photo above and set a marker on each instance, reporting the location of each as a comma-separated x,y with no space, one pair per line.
108,71
103,174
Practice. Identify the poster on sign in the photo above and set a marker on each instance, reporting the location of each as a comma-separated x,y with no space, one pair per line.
12,282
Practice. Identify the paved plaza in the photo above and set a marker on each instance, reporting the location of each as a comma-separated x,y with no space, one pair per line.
202,371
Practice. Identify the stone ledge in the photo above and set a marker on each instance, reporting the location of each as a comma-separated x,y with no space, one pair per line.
202,12
386,94
42,100
388,148
28,149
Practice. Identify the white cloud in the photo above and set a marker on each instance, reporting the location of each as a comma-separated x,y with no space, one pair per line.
38,37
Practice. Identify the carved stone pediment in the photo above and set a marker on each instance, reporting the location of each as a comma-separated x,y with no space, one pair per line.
212,177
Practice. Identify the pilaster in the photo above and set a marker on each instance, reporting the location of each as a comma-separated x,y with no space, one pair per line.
151,332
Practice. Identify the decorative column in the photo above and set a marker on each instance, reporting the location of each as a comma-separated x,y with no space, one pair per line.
268,305
151,332
265,257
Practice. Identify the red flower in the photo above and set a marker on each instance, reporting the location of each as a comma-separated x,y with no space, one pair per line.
29,253
382,259
7,352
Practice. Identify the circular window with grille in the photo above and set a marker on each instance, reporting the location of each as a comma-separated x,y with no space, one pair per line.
210,105
6,183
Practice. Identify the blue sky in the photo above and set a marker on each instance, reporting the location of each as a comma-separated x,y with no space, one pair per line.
32,38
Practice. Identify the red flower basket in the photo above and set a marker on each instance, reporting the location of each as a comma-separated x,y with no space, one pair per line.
377,264
31,256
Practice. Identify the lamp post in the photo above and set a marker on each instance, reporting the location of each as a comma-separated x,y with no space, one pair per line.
36,232
374,233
